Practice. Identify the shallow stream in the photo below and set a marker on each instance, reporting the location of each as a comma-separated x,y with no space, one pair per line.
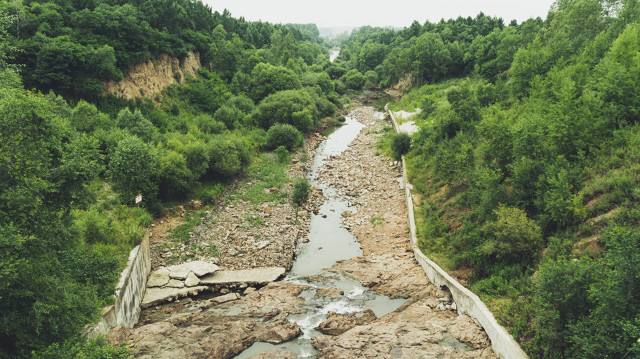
328,243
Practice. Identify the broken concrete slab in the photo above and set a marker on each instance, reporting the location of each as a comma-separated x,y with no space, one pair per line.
249,276
174,283
155,296
191,280
158,278
199,268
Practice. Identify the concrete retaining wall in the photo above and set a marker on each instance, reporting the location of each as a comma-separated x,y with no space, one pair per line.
130,290
468,303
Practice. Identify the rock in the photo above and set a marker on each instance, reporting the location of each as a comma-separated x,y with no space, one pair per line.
224,290
226,298
199,268
191,280
266,210
248,291
155,296
249,276
337,324
329,292
303,213
284,331
174,283
158,278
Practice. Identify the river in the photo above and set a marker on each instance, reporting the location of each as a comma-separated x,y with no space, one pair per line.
329,242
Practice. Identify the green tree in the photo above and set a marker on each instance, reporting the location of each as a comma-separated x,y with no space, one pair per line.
514,237
267,79
292,107
132,169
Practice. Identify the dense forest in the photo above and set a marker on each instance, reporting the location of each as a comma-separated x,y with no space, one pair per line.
526,164
73,158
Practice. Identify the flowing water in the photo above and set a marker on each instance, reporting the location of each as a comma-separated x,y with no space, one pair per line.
328,243
333,53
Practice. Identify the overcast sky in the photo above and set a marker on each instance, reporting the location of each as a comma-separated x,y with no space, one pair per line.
397,13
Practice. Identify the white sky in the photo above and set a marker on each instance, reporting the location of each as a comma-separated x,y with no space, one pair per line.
397,13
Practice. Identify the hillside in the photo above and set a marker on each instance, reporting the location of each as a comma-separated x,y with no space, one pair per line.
525,165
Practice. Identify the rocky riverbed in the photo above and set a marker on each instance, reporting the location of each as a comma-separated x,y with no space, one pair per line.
223,325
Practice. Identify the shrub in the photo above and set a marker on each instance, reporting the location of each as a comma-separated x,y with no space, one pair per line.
227,157
354,79
173,175
208,124
283,135
197,157
516,238
301,191
282,153
400,145
287,107
137,124
231,116
132,169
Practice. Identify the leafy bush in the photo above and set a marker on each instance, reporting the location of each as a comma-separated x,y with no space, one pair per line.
231,116
515,237
137,124
132,169
301,191
293,107
227,157
197,158
400,145
173,175
208,124
282,153
354,79
77,348
282,134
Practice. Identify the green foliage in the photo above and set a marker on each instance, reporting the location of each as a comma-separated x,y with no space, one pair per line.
173,175
132,169
400,145
513,236
292,107
267,79
137,124
354,79
77,348
227,157
283,135
301,191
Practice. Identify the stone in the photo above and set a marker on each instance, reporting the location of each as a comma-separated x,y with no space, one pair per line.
158,278
329,292
249,290
191,280
174,283
337,324
154,296
199,268
249,276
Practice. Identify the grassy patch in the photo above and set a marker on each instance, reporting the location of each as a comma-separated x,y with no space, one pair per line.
266,177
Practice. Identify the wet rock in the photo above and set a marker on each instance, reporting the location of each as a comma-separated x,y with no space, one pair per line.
329,292
337,324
